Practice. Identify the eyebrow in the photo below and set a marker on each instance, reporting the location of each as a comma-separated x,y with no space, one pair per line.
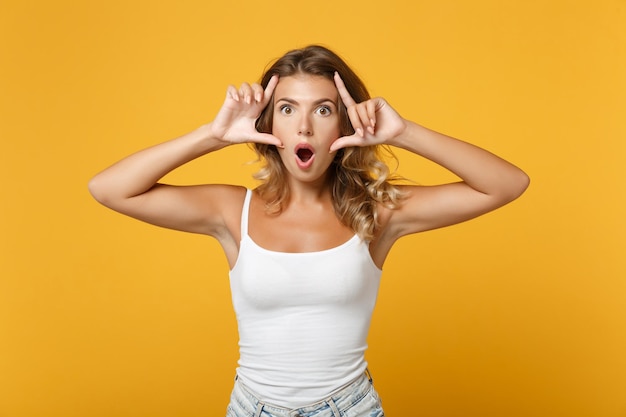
316,102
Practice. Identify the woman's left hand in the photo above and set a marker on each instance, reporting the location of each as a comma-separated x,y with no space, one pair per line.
374,121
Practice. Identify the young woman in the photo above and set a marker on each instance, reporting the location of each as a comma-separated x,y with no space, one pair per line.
307,246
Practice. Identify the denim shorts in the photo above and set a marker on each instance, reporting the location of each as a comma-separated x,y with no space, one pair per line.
357,399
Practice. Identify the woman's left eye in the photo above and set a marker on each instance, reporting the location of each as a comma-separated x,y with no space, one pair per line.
323,111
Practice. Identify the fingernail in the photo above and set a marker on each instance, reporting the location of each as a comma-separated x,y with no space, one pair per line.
359,131
370,129
257,97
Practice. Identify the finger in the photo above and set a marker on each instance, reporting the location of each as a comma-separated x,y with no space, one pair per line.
269,90
257,92
245,91
371,114
268,139
364,116
231,92
346,141
343,91
355,120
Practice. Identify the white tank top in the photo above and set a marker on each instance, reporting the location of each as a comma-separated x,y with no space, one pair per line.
303,318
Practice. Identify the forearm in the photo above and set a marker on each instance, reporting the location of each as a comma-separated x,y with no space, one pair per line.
140,171
478,168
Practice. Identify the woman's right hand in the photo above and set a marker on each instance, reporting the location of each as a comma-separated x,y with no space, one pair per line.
235,122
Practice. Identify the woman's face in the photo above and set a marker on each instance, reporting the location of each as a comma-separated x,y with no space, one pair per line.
306,119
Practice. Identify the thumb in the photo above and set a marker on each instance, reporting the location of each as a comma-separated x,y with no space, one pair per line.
267,139
345,141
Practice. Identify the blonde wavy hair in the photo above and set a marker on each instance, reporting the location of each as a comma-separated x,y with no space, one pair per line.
359,179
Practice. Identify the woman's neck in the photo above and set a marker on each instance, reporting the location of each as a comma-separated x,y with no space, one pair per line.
309,192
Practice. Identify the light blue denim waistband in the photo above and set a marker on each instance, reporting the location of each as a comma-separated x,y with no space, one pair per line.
244,402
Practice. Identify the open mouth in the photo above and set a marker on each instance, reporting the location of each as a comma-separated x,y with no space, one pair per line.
305,154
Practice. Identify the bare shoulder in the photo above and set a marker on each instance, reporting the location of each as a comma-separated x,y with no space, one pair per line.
230,199
224,194
227,203
222,204
411,215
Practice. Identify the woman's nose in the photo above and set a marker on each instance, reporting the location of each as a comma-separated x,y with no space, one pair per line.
305,127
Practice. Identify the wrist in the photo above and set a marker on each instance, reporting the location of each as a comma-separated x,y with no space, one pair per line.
206,140
406,137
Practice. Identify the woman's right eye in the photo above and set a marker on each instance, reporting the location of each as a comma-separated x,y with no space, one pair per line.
286,109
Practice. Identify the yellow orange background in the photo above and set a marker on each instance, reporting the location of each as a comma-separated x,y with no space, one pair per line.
521,313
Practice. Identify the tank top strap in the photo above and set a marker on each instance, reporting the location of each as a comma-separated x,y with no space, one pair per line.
245,212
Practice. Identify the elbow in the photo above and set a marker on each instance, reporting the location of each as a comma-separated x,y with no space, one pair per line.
98,190
522,183
517,185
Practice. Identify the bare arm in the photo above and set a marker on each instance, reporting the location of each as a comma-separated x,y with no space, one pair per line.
487,181
131,185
